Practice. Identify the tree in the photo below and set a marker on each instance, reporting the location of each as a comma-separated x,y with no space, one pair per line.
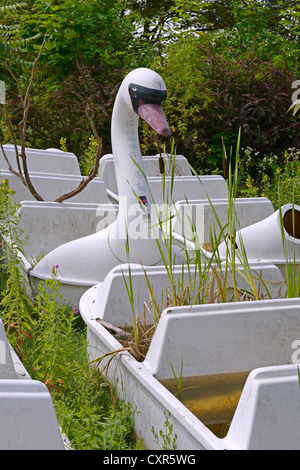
21,158
152,17
81,34
217,15
215,88
77,30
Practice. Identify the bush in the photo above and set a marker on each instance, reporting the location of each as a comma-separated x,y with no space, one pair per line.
279,183
95,86
213,94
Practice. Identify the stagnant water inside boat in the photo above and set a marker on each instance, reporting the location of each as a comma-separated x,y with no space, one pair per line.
212,399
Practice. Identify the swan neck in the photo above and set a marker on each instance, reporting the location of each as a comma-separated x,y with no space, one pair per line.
128,162
133,222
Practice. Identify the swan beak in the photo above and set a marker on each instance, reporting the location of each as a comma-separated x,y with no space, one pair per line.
153,115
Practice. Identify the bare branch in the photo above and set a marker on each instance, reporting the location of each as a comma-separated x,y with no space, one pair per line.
9,165
85,181
10,128
89,114
25,103
27,94
94,172
5,64
26,181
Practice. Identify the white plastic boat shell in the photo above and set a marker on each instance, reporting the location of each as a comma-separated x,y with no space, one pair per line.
211,339
264,240
225,337
44,161
68,221
27,417
111,301
10,365
199,220
47,225
7,370
169,189
270,405
51,186
107,168
187,187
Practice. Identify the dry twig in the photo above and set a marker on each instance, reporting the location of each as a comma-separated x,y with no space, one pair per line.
21,158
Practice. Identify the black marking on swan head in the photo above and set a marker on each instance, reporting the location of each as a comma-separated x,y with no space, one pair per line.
145,95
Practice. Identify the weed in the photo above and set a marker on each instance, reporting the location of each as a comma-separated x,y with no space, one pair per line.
165,438
15,304
50,339
88,159
205,278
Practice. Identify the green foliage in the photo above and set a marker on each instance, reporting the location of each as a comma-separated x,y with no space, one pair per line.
79,34
202,15
87,406
271,176
238,16
262,28
226,64
15,306
213,92
88,30
165,438
52,335
88,159
89,422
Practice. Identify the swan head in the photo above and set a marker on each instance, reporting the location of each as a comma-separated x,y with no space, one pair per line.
145,92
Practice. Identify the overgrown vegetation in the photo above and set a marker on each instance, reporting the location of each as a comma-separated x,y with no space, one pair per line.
227,65
206,277
50,339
